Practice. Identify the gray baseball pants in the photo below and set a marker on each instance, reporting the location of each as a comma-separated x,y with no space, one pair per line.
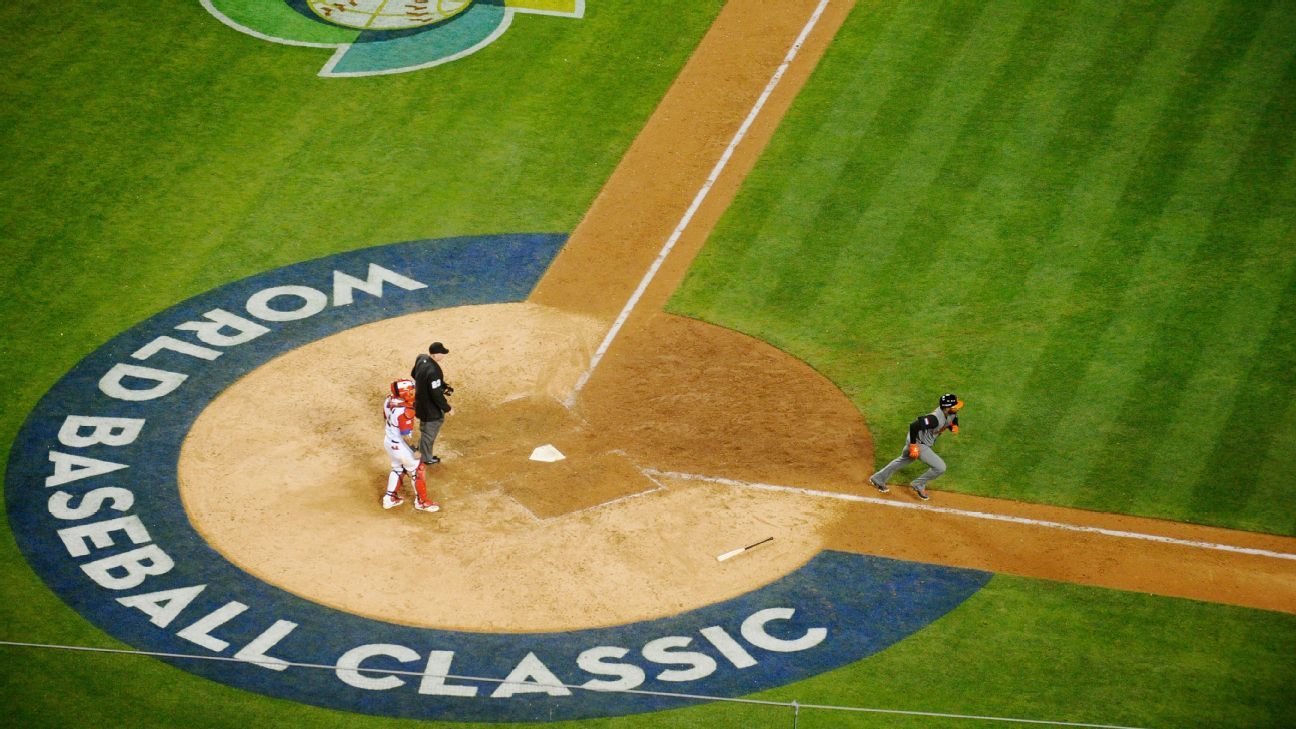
428,430
925,454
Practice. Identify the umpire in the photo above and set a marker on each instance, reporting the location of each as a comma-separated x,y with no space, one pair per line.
430,404
923,433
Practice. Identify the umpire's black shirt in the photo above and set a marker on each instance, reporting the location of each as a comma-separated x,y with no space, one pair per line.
429,389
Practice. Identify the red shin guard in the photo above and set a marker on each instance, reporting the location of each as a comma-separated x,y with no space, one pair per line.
420,483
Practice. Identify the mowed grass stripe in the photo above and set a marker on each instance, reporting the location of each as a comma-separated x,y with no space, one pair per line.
965,212
1098,283
973,213
1237,375
1007,234
1062,288
882,161
967,219
775,236
1241,477
1170,151
943,250
1275,410
1082,175
1262,422
1157,286
881,226
881,148
1080,254
990,163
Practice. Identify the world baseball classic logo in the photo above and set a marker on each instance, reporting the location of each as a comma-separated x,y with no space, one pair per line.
95,501
373,37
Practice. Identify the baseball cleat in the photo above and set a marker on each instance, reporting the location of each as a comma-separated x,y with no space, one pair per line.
922,493
879,486
432,460
391,501
426,506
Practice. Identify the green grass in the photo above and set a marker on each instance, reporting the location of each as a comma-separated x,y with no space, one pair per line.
1078,216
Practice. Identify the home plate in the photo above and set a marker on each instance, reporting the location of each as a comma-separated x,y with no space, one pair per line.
547,453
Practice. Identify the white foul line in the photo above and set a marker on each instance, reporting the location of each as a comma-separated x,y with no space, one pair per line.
980,515
697,203
279,665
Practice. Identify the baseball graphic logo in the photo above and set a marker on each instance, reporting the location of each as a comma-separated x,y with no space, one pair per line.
375,37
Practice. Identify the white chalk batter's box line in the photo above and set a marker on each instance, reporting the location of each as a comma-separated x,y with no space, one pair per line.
650,474
603,505
977,514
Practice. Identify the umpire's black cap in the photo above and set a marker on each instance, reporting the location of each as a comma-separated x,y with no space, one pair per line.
438,348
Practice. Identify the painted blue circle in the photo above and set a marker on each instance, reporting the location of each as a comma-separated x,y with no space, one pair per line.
836,609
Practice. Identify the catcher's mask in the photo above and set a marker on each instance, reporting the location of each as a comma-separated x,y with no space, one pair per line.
403,389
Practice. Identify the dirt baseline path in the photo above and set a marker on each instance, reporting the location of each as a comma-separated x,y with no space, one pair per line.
668,463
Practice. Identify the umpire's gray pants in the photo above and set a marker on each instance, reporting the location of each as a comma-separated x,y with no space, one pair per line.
428,430
925,454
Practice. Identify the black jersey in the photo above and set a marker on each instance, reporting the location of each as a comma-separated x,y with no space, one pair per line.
429,389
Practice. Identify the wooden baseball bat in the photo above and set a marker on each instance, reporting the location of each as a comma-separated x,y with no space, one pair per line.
740,550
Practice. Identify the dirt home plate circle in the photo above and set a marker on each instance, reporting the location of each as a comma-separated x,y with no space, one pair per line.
207,483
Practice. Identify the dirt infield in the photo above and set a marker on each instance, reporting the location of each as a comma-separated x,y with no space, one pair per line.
584,542
622,529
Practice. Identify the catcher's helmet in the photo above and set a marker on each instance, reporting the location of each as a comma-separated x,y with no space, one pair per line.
403,389
949,400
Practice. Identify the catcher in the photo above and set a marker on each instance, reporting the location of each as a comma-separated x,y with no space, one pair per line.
398,414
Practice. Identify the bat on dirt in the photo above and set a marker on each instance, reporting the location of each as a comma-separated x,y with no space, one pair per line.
740,550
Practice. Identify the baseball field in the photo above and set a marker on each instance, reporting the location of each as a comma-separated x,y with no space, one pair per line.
719,255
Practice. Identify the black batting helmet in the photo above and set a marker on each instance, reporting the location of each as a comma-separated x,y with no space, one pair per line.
949,400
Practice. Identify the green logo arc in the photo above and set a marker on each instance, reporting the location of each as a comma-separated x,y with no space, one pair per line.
369,40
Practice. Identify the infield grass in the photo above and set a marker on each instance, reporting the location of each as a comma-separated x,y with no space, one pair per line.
1081,217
